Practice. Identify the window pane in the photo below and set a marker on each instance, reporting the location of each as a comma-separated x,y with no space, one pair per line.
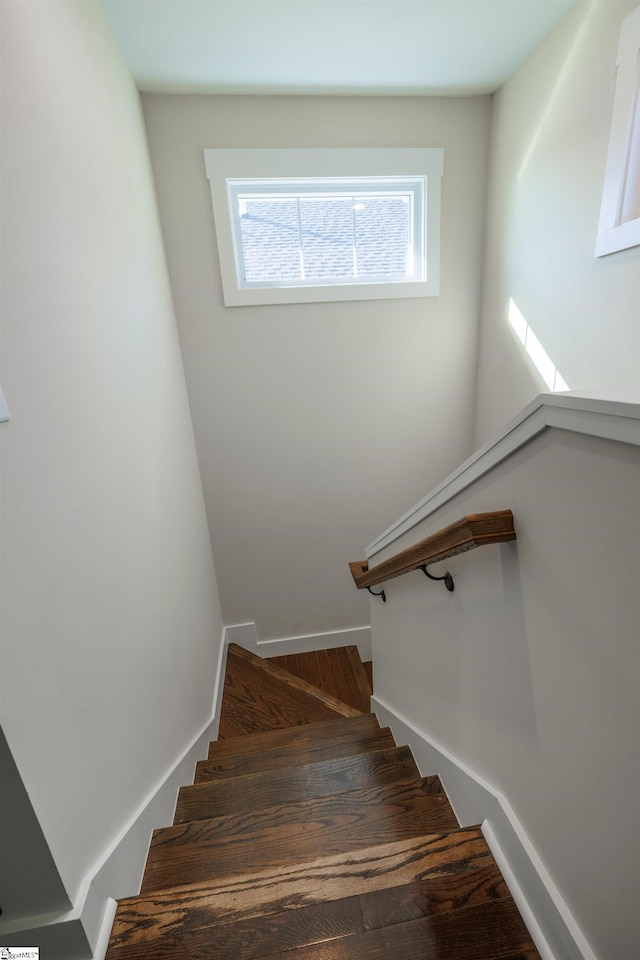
327,237
383,236
630,209
270,239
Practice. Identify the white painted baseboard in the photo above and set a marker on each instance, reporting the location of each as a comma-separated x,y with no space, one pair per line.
118,872
550,923
245,635
105,929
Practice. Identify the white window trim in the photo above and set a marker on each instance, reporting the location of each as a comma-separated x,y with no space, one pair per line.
230,164
613,235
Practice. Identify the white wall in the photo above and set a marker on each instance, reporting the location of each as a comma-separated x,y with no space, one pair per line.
529,675
548,153
317,423
109,611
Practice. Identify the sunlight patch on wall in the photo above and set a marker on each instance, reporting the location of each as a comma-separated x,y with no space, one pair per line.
541,359
558,88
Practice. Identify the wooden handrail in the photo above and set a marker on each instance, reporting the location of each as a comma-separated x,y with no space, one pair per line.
473,531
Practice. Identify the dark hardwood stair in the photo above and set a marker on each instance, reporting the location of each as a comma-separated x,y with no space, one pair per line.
292,833
472,933
314,840
338,671
259,695
288,737
248,939
292,784
450,869
287,755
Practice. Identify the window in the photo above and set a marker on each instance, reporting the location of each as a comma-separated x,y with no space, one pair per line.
310,225
619,226
305,233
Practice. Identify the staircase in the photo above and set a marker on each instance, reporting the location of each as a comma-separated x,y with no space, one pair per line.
309,835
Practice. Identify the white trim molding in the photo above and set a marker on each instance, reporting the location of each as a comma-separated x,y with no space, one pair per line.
102,943
246,635
619,226
544,911
604,414
119,869
223,166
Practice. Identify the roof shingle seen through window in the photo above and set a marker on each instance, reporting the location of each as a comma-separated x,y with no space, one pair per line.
324,238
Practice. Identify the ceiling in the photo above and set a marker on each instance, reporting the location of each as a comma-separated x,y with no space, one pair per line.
375,47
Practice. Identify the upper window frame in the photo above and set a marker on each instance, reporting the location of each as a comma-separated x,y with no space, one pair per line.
616,233
227,165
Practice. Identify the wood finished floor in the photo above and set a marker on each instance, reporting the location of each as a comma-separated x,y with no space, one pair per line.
339,671
309,835
258,695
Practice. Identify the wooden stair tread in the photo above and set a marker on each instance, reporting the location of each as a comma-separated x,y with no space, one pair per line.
288,756
285,736
256,936
194,802
291,784
266,817
155,916
487,931
292,833
258,695
339,671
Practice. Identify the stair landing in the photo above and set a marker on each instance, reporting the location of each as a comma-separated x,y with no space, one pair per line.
338,671
261,695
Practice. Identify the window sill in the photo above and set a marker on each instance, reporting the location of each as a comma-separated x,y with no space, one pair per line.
328,293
